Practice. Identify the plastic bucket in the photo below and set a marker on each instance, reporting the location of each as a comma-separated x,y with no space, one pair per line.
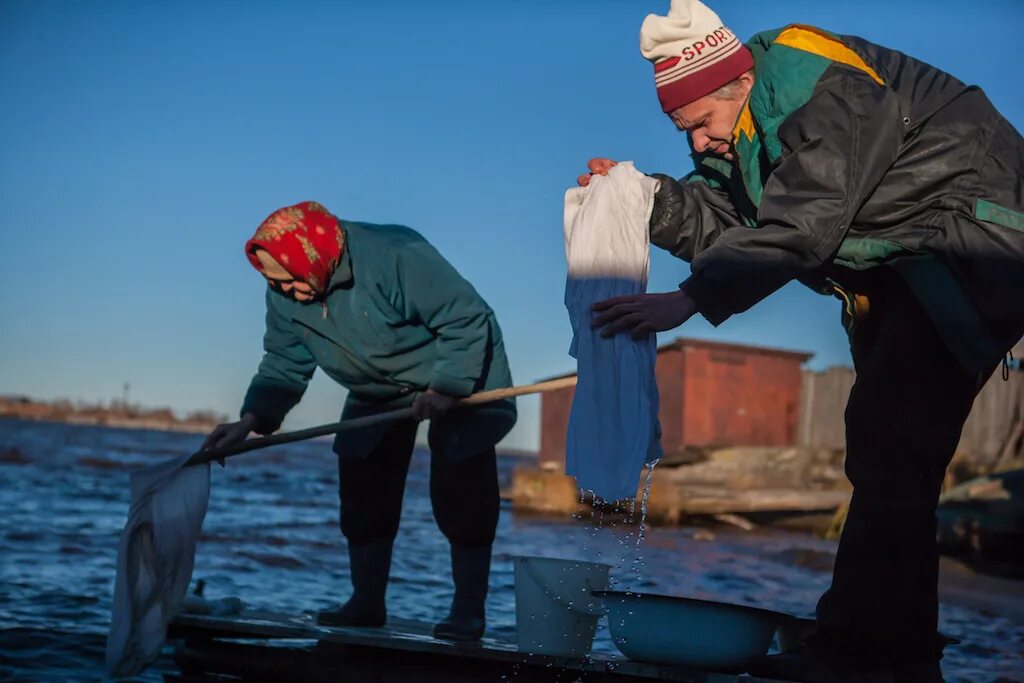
555,611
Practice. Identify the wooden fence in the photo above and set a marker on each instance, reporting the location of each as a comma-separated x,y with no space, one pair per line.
998,411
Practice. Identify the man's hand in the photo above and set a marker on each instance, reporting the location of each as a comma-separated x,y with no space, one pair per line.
431,404
643,314
598,166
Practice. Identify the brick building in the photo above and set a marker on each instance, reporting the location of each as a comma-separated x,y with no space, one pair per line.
712,394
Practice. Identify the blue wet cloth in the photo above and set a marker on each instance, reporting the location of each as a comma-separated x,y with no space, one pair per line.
613,425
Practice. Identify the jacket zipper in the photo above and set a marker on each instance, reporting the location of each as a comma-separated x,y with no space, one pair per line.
358,363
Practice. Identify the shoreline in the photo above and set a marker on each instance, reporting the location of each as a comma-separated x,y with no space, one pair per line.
199,428
119,423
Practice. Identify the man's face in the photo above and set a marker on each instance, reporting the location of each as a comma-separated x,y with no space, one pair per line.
709,121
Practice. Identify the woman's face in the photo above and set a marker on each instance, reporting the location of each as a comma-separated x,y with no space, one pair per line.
280,279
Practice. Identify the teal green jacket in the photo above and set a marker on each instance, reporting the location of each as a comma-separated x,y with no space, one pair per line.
397,319
851,156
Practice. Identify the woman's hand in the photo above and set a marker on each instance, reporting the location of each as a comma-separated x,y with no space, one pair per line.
431,404
231,433
599,166
643,314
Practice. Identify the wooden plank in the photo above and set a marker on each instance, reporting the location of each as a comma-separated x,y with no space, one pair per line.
823,398
694,500
996,408
415,638
676,493
397,635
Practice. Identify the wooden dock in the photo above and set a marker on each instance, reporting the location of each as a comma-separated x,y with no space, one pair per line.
261,646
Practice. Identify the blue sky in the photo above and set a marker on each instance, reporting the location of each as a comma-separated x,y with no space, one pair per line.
141,143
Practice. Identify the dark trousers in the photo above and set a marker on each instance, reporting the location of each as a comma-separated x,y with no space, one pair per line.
903,423
464,494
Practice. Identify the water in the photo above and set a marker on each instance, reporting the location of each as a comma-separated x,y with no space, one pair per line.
271,538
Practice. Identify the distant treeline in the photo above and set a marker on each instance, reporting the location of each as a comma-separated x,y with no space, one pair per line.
114,414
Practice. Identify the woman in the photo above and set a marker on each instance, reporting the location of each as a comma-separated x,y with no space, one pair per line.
381,312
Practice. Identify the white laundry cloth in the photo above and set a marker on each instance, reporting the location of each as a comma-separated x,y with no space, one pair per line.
155,559
613,425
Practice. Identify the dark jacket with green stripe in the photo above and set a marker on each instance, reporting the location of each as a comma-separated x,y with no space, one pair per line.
849,156
397,319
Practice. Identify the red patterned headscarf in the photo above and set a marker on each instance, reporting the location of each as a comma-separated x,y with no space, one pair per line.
305,239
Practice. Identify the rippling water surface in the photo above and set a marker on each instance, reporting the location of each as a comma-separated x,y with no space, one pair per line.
271,538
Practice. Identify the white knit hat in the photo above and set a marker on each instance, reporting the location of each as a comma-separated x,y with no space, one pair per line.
693,53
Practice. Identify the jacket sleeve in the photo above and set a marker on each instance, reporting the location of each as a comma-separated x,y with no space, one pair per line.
435,295
283,374
690,214
835,151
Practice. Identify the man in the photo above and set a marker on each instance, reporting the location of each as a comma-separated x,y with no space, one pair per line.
865,173
381,312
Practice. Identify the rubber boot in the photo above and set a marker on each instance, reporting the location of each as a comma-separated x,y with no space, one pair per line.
369,565
471,569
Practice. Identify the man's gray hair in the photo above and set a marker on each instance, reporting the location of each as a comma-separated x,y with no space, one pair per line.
732,90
